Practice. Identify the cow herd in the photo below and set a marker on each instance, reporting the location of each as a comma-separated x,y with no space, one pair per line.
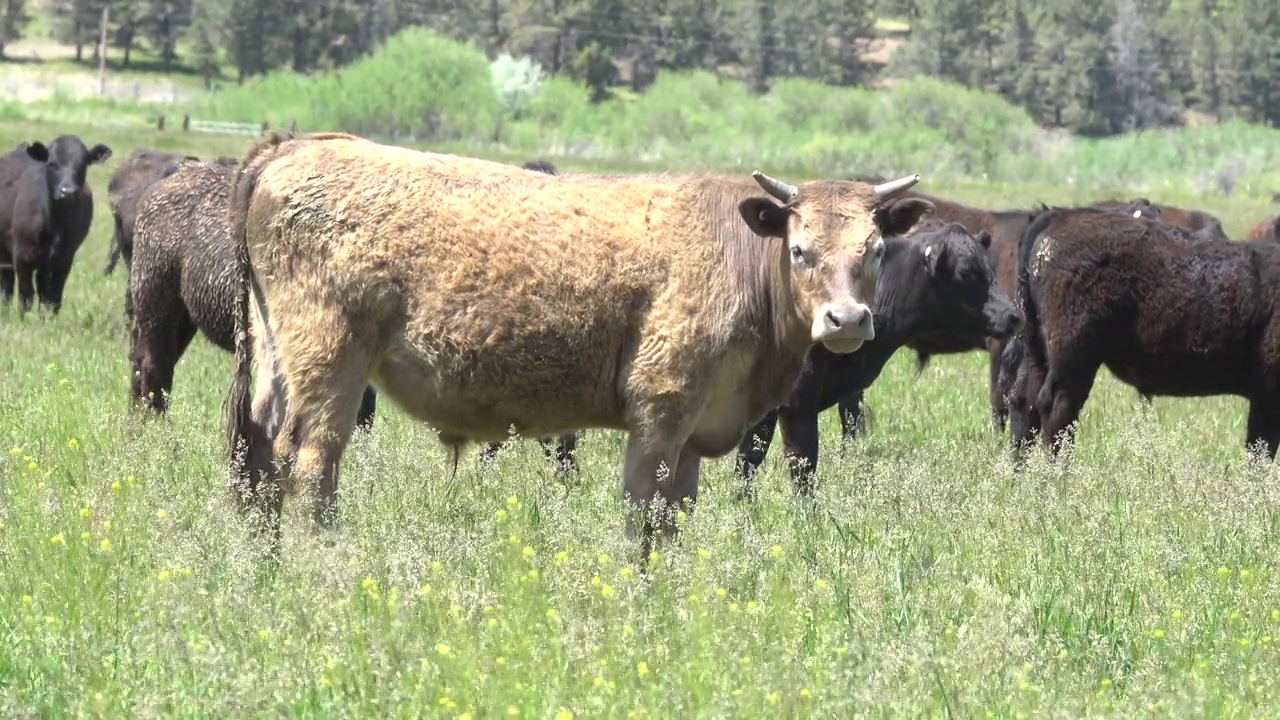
695,313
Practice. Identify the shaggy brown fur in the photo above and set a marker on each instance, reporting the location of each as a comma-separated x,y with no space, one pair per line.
184,276
481,297
140,169
1165,310
1266,230
561,449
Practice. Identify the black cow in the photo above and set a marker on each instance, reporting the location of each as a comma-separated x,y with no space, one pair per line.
1167,311
46,208
128,181
939,281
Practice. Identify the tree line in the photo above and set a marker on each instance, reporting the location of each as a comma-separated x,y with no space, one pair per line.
1095,68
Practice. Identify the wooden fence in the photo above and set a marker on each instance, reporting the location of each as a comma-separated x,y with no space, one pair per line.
221,127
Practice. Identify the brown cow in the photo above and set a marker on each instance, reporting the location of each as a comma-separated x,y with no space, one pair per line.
1189,219
1166,310
481,297
123,190
1266,230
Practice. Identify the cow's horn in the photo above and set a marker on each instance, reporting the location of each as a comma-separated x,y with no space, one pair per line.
887,190
780,190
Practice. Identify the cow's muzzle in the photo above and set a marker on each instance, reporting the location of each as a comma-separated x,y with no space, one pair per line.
843,327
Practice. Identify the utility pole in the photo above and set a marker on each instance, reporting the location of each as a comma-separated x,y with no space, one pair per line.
102,53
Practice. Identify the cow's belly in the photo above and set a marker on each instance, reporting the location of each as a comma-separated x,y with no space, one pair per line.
483,398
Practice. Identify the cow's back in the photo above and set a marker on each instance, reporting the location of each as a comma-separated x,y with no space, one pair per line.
1139,295
183,252
519,296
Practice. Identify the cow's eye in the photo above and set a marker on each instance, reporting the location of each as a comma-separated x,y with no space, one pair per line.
797,255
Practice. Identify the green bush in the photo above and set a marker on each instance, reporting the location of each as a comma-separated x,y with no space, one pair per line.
425,87
418,85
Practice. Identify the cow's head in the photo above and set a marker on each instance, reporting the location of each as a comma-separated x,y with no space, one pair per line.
832,233
67,163
946,282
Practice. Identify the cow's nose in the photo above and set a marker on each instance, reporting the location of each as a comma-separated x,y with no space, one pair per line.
64,191
843,323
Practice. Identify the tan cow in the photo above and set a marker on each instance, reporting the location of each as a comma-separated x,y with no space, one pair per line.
482,297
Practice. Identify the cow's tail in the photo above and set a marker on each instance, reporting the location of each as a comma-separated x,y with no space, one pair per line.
1029,342
247,438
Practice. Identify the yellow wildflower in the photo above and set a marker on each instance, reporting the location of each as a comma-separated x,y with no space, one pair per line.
513,502
776,551
561,557
161,514
564,715
513,711
26,599
820,584
73,444
773,698
552,614
57,540
704,553
642,669
501,514
721,592
84,535
528,552
115,486
32,466
626,573
607,591
805,694
105,544
442,649
162,575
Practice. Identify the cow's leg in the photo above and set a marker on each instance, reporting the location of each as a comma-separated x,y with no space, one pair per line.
852,419
800,443
562,452
490,451
1065,390
368,404
1264,427
52,281
999,406
158,337
647,465
6,282
26,284
328,374
752,451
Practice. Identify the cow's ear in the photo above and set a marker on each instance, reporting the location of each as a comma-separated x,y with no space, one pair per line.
765,217
984,239
933,258
99,153
901,216
38,152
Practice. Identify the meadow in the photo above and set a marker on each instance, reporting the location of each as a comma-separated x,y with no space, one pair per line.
926,579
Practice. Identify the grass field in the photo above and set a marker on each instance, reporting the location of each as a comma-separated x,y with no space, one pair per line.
927,580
